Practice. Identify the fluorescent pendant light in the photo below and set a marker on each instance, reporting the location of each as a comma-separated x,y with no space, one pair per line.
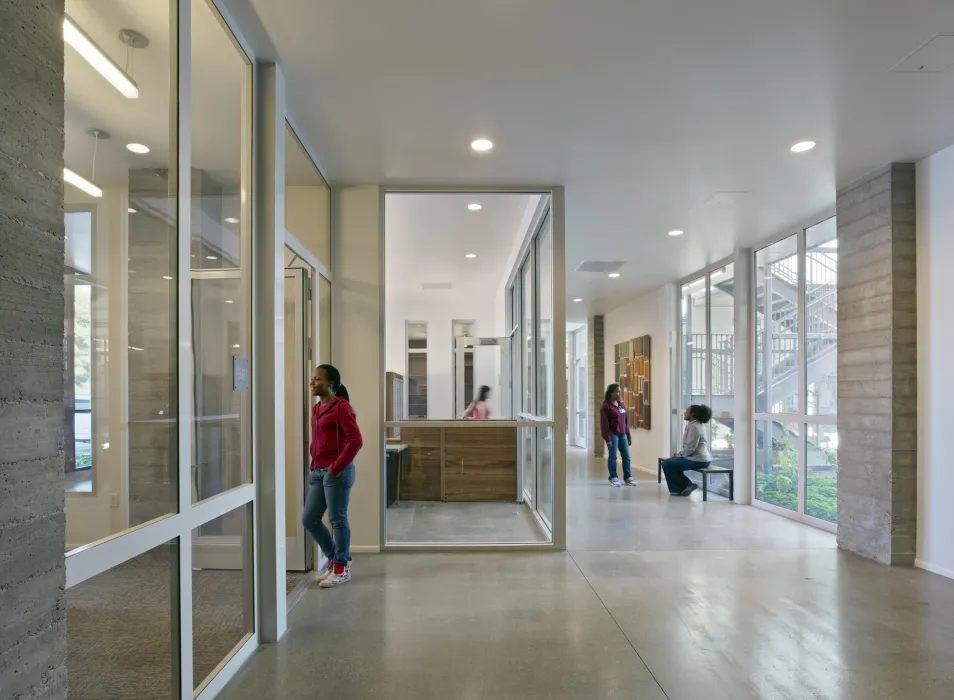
81,183
87,48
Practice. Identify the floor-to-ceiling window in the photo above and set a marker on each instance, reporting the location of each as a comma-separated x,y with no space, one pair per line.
796,344
707,359
160,502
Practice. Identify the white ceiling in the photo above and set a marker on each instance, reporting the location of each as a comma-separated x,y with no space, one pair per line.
643,110
429,235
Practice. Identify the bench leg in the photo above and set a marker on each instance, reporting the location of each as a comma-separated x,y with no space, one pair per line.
731,486
705,486
659,472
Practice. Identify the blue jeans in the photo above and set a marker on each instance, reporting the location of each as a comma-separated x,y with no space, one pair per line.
675,470
331,493
621,443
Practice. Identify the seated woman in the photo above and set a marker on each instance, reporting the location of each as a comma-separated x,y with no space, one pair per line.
693,455
479,409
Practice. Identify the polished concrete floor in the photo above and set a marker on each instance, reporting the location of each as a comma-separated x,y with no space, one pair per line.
436,521
655,599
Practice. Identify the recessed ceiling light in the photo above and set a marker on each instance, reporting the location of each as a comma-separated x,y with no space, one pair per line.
137,148
166,277
231,220
236,346
577,300
471,255
803,146
614,275
676,232
228,301
481,145
131,210
473,206
211,257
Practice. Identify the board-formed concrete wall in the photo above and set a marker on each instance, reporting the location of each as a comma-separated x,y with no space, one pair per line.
877,366
32,522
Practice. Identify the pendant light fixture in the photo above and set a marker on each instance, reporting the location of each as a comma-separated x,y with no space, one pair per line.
80,182
97,58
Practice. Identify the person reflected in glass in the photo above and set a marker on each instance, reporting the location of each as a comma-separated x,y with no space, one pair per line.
479,409
614,427
694,453
335,442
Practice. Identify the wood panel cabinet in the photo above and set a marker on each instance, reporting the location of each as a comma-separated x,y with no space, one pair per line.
480,464
421,478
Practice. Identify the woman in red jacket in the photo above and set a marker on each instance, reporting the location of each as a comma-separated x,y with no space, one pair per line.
614,426
335,443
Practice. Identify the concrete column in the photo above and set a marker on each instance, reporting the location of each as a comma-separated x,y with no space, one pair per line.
877,366
32,522
744,365
596,376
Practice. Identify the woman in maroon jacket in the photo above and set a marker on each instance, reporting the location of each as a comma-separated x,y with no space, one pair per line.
614,426
335,443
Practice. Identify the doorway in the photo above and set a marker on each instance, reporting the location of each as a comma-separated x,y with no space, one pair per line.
299,358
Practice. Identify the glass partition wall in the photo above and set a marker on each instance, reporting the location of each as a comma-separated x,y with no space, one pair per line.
160,504
796,395
474,460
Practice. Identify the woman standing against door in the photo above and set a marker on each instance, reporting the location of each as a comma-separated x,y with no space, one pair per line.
335,441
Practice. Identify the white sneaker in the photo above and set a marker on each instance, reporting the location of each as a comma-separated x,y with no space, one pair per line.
631,481
326,571
615,482
340,574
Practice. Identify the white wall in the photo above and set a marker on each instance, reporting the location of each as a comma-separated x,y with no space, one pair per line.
357,318
652,314
439,309
935,259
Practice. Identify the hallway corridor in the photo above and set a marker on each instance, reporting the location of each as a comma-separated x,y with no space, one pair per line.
655,598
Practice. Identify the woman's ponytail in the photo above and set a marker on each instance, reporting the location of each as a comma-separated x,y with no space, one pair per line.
335,377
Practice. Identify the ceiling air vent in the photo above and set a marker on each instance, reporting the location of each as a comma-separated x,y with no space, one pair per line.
599,266
935,55
429,286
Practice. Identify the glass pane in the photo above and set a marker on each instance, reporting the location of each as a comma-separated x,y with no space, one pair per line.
776,327
544,288
221,331
324,321
223,606
307,200
722,338
123,643
693,315
776,463
526,328
821,482
120,267
527,437
544,438
722,446
821,318
457,485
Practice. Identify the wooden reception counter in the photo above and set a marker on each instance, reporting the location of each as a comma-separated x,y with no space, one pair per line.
458,460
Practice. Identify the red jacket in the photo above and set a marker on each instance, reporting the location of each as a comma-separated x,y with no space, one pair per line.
335,438
614,421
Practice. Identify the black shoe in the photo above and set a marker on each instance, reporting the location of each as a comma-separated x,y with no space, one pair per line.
688,490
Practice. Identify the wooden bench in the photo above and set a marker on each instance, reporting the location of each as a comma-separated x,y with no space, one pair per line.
705,471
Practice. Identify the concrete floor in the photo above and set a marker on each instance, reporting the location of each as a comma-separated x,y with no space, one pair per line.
436,521
656,598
